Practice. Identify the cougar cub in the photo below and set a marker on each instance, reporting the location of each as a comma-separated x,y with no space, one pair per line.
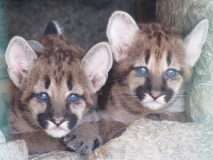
56,85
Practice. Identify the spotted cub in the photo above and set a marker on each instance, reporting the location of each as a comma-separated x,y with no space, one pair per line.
56,87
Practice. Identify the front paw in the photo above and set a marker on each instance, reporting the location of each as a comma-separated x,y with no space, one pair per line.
82,141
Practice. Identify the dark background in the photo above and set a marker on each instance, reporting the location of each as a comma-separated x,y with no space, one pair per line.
84,21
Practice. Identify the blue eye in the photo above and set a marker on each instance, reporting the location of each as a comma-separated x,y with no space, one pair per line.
142,70
43,96
73,97
171,73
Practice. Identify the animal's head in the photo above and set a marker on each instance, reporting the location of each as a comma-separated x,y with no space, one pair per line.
153,60
56,86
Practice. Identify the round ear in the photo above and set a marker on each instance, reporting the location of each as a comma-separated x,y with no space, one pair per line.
194,42
97,62
20,57
121,32
53,28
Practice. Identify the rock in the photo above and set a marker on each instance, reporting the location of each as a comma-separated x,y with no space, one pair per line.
14,150
146,139
62,155
2,138
185,14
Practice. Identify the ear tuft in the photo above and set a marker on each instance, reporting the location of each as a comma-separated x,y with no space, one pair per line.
53,28
121,32
97,62
19,57
194,42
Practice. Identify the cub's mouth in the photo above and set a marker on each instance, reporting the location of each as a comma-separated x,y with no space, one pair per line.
57,131
153,103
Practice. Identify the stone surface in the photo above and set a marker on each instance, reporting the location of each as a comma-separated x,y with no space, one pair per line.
57,155
14,150
2,138
185,14
146,139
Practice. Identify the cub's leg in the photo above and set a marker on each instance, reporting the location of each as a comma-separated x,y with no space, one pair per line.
87,137
180,117
40,142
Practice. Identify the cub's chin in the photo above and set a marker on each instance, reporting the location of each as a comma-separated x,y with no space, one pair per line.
57,131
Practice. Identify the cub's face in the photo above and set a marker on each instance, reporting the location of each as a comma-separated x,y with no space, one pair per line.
156,75
153,60
56,92
56,86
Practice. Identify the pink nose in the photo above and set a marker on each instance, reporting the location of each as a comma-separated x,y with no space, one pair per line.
155,95
57,121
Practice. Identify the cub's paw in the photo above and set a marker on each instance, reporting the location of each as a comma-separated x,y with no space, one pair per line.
82,140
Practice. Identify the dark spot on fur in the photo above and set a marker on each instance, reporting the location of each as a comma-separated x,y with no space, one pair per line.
72,137
159,39
47,82
60,78
69,82
169,60
72,118
62,73
96,144
42,119
147,56
56,80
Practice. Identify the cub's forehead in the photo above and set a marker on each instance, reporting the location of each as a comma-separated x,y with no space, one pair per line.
58,66
157,40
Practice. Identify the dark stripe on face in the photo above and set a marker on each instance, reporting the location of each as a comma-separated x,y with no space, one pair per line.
42,119
72,118
47,82
159,39
69,83
169,60
140,91
147,56
168,92
28,97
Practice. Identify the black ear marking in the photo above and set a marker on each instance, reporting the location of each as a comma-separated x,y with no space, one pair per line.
52,28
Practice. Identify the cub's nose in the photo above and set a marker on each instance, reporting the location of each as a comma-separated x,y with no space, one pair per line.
155,95
57,121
